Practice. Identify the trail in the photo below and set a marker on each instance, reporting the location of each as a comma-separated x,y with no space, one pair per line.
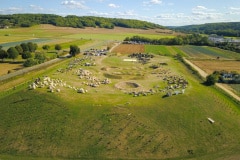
42,65
219,85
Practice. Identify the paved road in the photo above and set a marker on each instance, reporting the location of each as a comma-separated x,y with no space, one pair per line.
204,74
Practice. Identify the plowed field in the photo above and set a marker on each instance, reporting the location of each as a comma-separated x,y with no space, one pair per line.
129,48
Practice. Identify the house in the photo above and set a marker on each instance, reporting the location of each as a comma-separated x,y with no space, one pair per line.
230,78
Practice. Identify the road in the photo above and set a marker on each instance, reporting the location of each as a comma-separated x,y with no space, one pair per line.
29,69
48,63
219,85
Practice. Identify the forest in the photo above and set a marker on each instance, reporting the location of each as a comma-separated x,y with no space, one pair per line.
231,29
28,20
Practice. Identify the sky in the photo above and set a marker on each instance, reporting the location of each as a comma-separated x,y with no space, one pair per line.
163,12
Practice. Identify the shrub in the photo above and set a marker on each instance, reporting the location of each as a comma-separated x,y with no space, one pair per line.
212,79
40,57
26,55
30,62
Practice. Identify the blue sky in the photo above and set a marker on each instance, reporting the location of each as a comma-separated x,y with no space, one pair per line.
163,12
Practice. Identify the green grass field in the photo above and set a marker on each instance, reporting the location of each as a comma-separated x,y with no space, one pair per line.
205,52
108,122
158,49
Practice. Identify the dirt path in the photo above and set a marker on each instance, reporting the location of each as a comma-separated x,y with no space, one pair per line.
204,74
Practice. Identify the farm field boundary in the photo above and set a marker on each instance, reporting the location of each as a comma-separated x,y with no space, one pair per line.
206,52
204,75
34,40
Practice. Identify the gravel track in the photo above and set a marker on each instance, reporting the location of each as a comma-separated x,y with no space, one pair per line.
219,85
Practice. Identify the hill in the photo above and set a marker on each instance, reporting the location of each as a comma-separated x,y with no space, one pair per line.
224,29
27,20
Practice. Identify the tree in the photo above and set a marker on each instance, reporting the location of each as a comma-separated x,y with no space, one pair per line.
32,46
58,47
74,50
40,57
3,54
30,62
212,79
12,53
26,55
19,49
45,47
24,47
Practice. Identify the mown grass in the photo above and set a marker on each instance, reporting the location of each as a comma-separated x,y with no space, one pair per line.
158,49
108,124
116,36
236,88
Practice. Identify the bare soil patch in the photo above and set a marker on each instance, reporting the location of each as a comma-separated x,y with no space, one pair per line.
129,48
5,67
128,85
209,66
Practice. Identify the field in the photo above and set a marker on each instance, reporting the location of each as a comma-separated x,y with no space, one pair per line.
204,52
128,49
5,67
124,112
211,59
209,66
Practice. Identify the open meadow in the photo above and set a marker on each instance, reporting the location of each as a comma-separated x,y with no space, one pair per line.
117,106
66,36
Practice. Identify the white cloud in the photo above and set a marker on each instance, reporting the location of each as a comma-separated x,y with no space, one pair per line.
155,2
36,8
11,10
96,13
199,8
74,4
166,16
203,13
233,11
113,5
127,13
234,8
152,2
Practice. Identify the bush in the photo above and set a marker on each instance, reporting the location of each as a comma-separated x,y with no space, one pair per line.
40,57
26,55
212,79
30,62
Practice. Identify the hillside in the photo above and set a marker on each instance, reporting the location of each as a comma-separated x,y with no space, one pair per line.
224,29
27,20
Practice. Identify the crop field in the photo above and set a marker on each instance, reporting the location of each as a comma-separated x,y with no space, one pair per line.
205,52
128,48
127,116
209,66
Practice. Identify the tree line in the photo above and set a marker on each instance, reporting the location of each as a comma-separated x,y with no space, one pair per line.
193,39
231,29
28,52
28,20
190,39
